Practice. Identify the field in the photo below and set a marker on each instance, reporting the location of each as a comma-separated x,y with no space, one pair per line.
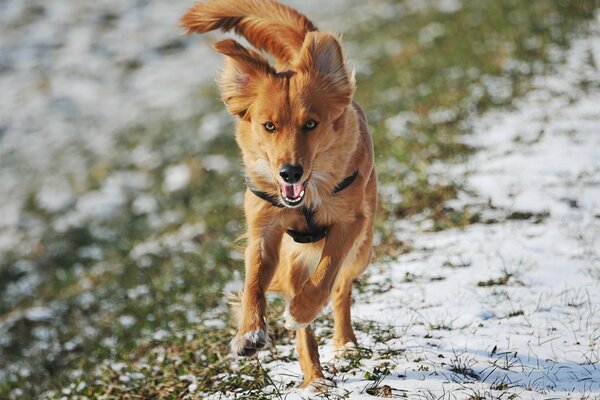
122,190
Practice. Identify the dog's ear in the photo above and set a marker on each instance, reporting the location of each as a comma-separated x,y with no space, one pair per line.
322,60
241,75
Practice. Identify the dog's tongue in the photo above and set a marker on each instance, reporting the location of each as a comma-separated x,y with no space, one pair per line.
292,191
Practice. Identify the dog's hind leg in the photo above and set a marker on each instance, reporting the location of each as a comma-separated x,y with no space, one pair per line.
308,353
343,334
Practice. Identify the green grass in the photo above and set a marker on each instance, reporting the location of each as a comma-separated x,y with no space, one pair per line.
428,74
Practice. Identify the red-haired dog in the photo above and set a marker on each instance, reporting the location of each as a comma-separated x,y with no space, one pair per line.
308,156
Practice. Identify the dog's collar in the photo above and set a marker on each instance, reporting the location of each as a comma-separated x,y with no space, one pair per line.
315,232
347,181
273,199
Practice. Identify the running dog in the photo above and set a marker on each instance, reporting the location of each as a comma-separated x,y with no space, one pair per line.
311,194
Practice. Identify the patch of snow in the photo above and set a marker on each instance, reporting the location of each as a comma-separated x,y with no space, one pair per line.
161,335
138,291
54,197
177,177
118,366
149,247
499,88
39,313
449,6
144,204
187,378
215,323
127,321
210,127
431,32
217,162
397,126
442,116
138,376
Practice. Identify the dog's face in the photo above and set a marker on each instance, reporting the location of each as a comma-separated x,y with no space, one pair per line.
288,118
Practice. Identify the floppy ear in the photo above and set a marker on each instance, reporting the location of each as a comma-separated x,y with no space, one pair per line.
242,73
322,59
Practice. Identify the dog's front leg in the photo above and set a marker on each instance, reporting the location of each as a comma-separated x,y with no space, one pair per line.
304,307
262,256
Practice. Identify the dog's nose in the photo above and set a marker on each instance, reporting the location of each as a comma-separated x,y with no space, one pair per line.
291,173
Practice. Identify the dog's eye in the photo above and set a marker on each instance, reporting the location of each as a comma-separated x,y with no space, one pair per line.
269,126
310,124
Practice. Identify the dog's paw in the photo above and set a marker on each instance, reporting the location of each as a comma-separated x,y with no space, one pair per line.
248,343
345,350
320,385
289,322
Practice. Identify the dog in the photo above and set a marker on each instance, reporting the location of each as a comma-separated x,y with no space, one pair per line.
311,195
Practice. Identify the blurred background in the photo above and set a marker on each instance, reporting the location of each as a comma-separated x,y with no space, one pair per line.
120,183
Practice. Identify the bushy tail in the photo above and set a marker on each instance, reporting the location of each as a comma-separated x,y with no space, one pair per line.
268,25
235,303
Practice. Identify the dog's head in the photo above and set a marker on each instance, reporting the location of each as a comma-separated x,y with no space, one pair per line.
288,120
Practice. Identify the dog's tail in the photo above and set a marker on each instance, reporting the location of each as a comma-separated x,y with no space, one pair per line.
268,25
235,303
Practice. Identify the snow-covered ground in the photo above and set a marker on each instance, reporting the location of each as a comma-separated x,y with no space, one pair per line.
510,306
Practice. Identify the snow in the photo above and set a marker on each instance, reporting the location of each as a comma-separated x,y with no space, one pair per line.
127,321
177,177
216,162
512,305
39,313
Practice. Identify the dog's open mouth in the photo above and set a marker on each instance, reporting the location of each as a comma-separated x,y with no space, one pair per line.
293,194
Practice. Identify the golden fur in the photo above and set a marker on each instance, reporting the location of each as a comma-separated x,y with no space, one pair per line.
310,86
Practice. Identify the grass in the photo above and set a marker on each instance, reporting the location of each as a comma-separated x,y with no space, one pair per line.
501,281
135,298
462,365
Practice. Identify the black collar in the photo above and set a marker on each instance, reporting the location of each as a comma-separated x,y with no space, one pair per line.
273,199
347,181
315,232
